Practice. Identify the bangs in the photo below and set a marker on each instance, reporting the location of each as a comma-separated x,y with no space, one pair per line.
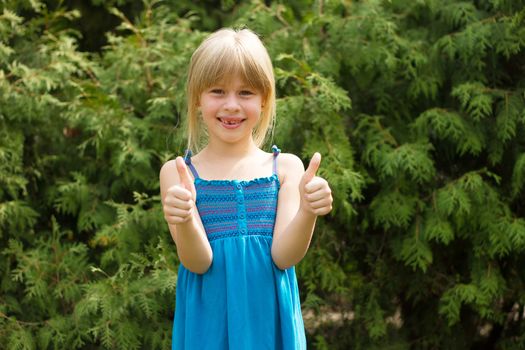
232,61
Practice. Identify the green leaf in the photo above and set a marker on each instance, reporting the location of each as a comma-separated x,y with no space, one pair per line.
475,99
453,199
393,209
411,159
416,253
518,175
438,229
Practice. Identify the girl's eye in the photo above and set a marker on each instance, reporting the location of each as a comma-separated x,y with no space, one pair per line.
246,93
217,91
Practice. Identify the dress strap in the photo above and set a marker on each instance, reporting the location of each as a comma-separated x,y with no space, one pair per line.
276,152
187,160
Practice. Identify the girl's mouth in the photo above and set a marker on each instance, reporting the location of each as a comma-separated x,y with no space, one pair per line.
231,123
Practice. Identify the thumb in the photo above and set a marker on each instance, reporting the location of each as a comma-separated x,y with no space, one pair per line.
312,168
185,177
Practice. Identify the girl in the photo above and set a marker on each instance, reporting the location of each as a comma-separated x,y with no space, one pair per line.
241,218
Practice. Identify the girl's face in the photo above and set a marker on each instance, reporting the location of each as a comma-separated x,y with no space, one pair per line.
230,110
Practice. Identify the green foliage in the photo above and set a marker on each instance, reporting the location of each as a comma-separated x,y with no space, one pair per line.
417,108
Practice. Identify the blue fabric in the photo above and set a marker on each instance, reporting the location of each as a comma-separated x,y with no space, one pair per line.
243,301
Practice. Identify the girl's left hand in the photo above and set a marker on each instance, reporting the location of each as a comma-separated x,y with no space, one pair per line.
316,195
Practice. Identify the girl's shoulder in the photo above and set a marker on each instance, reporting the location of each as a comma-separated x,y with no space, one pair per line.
168,174
168,167
290,160
289,166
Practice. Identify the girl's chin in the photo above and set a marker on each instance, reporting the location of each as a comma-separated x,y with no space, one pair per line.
231,136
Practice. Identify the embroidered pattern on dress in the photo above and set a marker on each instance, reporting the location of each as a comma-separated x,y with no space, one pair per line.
252,204
247,207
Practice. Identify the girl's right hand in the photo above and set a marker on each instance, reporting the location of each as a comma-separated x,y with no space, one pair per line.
179,203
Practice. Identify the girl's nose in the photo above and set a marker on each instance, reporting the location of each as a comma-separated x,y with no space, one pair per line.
231,102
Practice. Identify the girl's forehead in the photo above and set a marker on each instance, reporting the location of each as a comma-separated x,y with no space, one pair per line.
231,81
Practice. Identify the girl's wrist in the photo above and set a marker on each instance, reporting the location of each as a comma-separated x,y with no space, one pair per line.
306,213
189,223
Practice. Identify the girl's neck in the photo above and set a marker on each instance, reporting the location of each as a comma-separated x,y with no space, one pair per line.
230,150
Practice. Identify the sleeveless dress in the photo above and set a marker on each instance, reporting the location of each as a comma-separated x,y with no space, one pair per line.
244,301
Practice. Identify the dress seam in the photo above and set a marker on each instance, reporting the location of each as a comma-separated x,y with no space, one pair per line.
240,235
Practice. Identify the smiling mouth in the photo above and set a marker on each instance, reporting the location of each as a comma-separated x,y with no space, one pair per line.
231,121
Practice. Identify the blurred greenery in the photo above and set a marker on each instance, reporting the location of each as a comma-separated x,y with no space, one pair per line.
418,108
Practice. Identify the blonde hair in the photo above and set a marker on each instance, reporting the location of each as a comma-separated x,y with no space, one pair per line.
220,57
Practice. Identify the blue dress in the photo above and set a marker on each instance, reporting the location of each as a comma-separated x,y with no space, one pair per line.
244,301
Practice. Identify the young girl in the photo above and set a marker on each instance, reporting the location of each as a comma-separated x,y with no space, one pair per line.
241,218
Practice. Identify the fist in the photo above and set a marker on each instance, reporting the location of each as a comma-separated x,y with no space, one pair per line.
179,202
316,195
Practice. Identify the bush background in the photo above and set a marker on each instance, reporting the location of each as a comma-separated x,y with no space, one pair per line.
418,108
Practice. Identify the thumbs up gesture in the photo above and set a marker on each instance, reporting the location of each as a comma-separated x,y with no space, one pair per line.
316,195
179,202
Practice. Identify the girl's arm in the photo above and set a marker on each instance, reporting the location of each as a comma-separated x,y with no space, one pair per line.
178,199
302,197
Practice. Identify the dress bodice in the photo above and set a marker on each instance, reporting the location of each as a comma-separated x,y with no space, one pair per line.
230,208
233,208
